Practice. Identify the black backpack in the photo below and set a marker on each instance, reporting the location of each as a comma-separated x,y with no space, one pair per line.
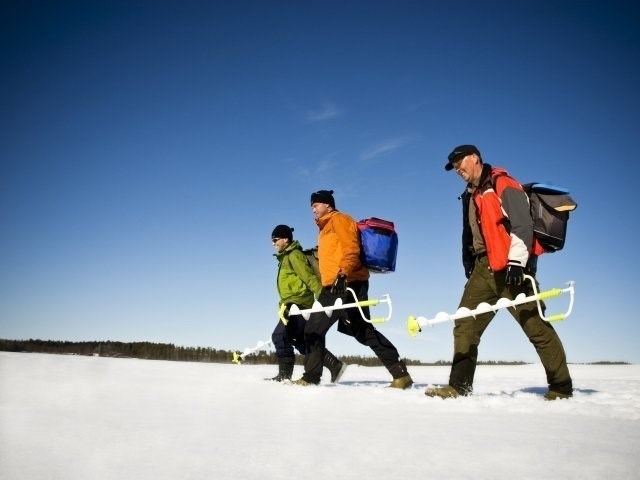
550,207
312,259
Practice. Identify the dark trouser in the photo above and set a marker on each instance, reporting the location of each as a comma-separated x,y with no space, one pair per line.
486,286
351,323
285,338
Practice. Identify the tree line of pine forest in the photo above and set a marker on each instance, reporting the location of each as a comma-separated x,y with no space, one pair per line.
168,351
157,351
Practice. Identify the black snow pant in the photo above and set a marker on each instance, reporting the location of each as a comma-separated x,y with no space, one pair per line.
286,337
487,286
350,323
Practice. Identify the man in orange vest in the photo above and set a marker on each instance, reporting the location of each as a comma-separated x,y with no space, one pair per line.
340,266
497,252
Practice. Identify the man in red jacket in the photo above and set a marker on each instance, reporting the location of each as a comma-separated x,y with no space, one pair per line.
497,244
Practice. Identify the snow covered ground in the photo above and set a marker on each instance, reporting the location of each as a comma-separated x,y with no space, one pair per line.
70,417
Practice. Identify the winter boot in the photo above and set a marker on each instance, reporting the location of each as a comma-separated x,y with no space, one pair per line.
301,382
446,391
553,395
335,366
401,377
402,382
285,369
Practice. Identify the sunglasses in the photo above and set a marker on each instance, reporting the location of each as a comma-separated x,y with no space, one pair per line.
457,162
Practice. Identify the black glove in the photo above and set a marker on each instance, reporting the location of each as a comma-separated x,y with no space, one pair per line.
340,285
515,275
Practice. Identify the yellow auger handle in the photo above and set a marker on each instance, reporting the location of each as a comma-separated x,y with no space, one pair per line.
368,303
554,292
413,327
556,318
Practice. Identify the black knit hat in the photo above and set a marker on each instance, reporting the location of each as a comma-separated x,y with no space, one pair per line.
323,196
282,231
459,152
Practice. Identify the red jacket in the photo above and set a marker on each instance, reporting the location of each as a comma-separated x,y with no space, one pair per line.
505,221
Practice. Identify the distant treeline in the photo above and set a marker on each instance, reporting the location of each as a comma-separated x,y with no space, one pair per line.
157,351
144,350
605,362
168,351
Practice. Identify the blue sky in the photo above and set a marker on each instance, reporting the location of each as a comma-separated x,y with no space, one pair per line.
147,150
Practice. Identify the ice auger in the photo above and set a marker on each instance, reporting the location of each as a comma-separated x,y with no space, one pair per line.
338,305
239,357
415,324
